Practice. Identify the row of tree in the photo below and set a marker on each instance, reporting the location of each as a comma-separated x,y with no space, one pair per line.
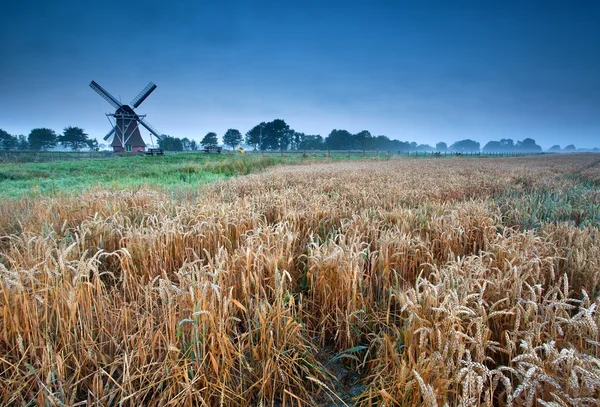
169,143
232,138
73,138
277,135
274,135
509,146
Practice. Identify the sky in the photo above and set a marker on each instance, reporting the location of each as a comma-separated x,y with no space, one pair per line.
422,70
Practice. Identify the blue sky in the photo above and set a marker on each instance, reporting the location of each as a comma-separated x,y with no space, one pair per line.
424,71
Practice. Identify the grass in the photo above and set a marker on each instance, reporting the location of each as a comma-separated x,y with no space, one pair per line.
175,173
397,282
573,197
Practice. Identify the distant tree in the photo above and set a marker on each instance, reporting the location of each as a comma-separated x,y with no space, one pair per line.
210,140
493,147
232,138
554,149
424,147
4,135
507,145
276,135
42,139
169,143
194,145
22,143
254,135
186,144
7,141
310,142
570,148
404,146
383,143
441,146
339,140
74,138
93,144
295,138
362,140
465,146
528,145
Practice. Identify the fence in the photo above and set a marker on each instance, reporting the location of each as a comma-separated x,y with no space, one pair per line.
380,153
41,156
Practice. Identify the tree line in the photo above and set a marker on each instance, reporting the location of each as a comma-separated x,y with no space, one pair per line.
274,136
74,138
277,135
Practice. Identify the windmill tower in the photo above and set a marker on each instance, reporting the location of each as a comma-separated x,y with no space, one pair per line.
125,121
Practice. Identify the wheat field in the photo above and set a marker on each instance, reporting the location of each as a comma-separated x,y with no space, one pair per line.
459,282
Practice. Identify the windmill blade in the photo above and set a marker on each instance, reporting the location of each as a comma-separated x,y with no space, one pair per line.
110,133
151,129
143,95
107,96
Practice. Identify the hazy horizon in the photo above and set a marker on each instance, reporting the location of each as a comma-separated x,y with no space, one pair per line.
413,71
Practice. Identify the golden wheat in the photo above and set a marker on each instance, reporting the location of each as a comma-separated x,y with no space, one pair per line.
406,270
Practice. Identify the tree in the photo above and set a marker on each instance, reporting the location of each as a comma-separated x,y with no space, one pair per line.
554,149
93,144
7,141
384,143
169,143
507,145
276,135
405,146
22,143
74,138
210,140
310,142
570,147
42,139
232,138
362,140
339,140
441,146
186,143
193,145
493,147
295,139
254,135
465,146
424,147
528,145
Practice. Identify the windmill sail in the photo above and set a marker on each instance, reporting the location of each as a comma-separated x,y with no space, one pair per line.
110,133
151,129
143,95
107,96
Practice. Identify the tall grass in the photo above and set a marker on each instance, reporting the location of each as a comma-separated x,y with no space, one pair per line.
270,289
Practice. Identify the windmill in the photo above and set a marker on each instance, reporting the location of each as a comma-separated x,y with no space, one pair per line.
125,121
